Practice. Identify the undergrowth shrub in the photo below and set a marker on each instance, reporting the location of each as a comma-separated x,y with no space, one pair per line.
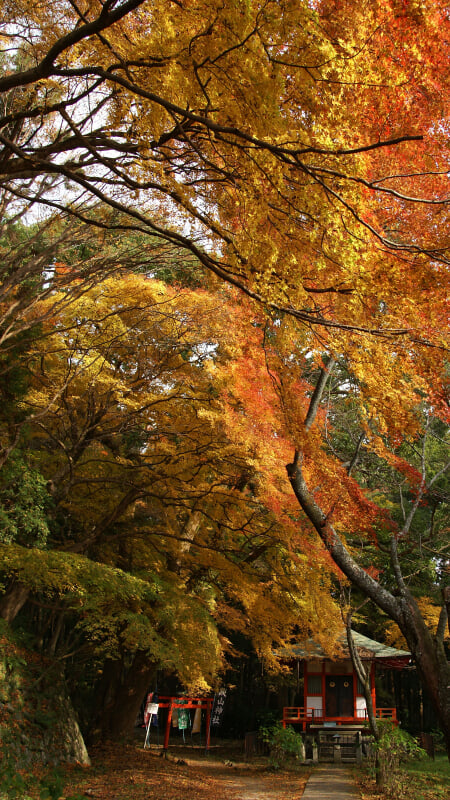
15,785
284,744
386,757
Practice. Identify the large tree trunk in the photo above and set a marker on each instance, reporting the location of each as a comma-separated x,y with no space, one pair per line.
119,696
13,600
430,658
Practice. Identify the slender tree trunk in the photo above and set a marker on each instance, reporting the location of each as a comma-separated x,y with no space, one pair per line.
364,677
58,625
446,594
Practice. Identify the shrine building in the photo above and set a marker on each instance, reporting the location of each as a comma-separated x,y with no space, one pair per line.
333,695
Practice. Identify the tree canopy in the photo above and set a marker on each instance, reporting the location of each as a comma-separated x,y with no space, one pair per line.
285,135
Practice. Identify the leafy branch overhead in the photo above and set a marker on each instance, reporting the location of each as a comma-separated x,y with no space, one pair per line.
235,131
157,512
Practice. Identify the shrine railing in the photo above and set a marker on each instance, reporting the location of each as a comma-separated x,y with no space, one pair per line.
302,715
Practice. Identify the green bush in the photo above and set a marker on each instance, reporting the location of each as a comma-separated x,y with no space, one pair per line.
438,740
284,744
394,748
15,786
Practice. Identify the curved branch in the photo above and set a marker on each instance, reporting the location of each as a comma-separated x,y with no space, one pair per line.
44,69
318,392
335,546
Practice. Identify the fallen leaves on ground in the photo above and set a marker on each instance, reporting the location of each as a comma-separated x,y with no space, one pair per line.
131,773
423,780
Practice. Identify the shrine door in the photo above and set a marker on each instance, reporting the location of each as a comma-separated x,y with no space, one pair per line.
339,696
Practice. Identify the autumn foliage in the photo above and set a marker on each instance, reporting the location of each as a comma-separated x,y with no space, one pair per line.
224,250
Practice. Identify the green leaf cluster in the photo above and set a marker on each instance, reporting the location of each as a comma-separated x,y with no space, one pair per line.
24,504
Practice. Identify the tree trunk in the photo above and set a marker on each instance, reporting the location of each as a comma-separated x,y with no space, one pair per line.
119,697
447,604
430,657
13,600
364,677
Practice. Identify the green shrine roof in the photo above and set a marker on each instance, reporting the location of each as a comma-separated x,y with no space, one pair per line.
367,648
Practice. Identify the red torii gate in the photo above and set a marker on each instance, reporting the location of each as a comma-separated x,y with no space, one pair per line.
178,702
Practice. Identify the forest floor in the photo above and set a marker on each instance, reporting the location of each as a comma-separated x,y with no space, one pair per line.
425,779
131,773
128,772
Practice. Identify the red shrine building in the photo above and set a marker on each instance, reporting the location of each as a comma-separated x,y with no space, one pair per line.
333,695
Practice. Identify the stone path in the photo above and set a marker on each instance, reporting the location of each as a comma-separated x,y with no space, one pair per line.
237,784
244,781
329,782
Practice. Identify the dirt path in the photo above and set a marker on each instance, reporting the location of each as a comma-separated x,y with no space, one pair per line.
284,786
245,780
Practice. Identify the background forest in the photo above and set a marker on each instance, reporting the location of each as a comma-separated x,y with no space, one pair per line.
223,340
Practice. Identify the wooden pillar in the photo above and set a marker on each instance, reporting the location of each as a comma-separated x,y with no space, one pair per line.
168,723
372,687
208,723
324,690
305,685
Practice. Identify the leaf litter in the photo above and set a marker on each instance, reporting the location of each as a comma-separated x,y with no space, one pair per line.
125,772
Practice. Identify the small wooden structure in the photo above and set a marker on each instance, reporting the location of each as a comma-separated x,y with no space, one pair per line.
191,703
334,706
